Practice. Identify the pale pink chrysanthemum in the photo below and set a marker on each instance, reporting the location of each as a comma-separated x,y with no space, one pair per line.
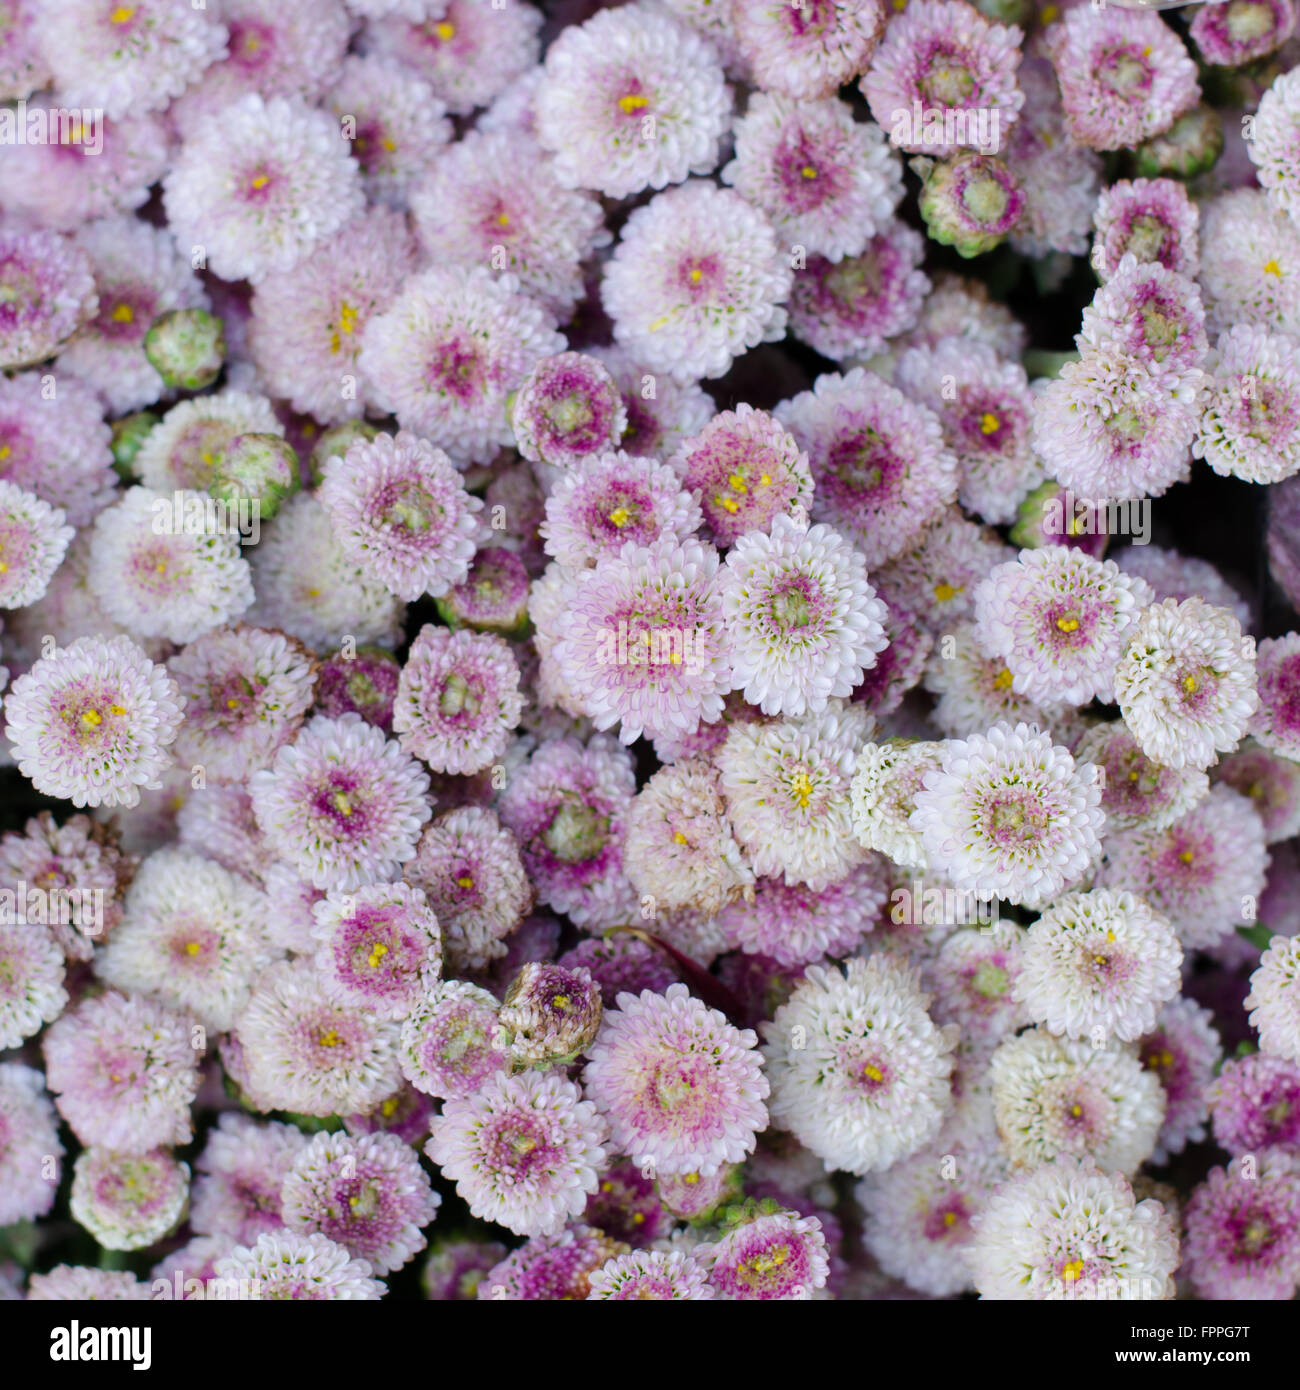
139,274
787,789
809,50
1205,872
567,807
1274,998
467,52
524,1151
1060,620
29,1139
1151,219
1011,814
826,182
779,1257
974,974
448,1046
567,411
1250,427
879,463
124,58
399,510
93,721
681,1088
1272,783
307,321
801,622
631,99
1250,262
33,542
1186,684
984,407
239,1176
943,54
396,124
471,208
1138,792
975,689
1151,316
128,1201
661,413
1124,75
82,1284
961,307
642,641
310,1054
651,1274
123,1071
23,66
696,280
1276,723
458,699
851,308
343,804
1177,576
448,350
1240,33
57,449
285,1264
1243,1231
47,292
1184,1050
936,578
31,978
376,947
262,186
369,1194
1275,145
185,447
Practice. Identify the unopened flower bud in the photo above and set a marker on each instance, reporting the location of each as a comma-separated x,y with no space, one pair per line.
187,348
261,467
549,1015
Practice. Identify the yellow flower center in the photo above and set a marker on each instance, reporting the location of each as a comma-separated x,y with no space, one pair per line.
465,881
330,1039
801,788
679,838
192,948
1072,1271
377,952
1003,679
634,101
872,1072
620,516
1067,624
808,171
122,15
123,313
1272,268
446,31
989,423
945,592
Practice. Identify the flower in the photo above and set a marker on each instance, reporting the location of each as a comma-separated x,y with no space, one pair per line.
1137,792
549,1016
641,639
457,699
943,53
123,1071
551,1267
970,201
1099,964
976,690
651,1274
567,808
1186,683
1230,39
261,186
93,721
128,1201
455,1268
523,1151
47,289
185,448
193,934
976,975
363,682
1255,1103
287,1265
140,274
801,622
680,1087
859,1072
783,1256
810,51
631,99
29,1137
935,579
1151,219
1183,1049
1204,872
129,57
240,1174
448,1045
31,981
308,320
1271,782
1273,147
1250,262
466,53
377,947
309,1053
469,869
1177,576
33,542
787,791
1274,998
600,505
446,352
882,796
308,587
165,567
1059,619
1055,1096
368,1194
57,449
1010,814
1124,76
852,307
472,208
795,926
1152,317
825,181
878,461
1251,425
1067,1230
621,964
1243,1235
1276,723
79,1284
343,804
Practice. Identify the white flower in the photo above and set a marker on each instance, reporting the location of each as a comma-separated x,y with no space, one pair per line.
1274,998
